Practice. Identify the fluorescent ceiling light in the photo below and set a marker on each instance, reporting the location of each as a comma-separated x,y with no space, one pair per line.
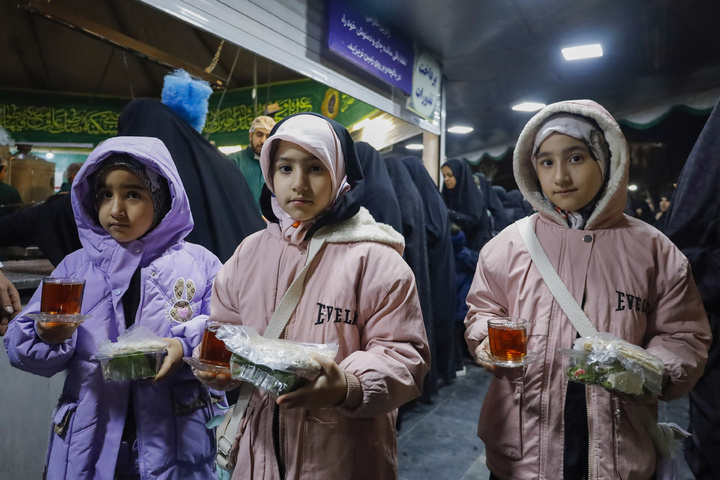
414,146
632,188
584,51
528,107
229,150
460,129
49,155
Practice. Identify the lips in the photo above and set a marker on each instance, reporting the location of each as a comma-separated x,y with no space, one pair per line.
564,192
300,201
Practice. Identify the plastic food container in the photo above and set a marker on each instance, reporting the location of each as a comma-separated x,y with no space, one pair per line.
131,365
276,382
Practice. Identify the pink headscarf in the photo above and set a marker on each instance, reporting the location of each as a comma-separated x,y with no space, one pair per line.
317,137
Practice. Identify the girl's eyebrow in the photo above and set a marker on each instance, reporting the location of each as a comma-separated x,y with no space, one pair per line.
565,151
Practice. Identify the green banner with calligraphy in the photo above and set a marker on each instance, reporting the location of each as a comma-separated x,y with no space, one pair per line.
37,117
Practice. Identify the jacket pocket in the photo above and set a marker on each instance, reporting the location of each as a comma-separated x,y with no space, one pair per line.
59,443
501,418
193,409
336,446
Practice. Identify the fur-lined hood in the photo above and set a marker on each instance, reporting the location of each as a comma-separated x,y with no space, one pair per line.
362,227
611,204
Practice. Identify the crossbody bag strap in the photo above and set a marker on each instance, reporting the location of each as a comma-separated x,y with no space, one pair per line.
277,324
661,434
563,296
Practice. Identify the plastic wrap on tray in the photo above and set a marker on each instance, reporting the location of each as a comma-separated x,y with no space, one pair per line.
138,353
614,364
277,366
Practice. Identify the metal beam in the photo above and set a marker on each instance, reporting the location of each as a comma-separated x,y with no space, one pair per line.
55,12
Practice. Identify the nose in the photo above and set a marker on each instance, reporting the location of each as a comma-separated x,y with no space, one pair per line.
562,175
300,181
117,207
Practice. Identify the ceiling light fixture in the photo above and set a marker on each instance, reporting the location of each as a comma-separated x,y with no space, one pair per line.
460,129
528,107
632,188
583,51
49,155
414,146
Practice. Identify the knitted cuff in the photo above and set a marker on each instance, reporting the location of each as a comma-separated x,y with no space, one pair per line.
354,394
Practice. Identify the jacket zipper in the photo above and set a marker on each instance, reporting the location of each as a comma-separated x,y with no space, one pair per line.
590,432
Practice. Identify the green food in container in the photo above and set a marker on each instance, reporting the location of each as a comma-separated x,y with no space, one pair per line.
131,366
277,382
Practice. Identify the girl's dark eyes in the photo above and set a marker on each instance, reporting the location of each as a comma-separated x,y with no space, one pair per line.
284,168
546,163
576,159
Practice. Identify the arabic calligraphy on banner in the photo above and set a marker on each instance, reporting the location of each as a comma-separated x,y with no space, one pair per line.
57,120
374,47
33,117
426,82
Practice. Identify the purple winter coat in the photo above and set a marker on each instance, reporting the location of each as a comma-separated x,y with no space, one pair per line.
89,417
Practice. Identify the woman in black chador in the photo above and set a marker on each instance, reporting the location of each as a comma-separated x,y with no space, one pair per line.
463,201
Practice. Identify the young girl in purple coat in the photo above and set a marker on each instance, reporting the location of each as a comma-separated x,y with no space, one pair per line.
132,214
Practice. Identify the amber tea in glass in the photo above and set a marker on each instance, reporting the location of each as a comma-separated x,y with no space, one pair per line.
508,339
62,295
213,350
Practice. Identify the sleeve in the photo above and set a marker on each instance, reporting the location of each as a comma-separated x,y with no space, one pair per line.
222,304
486,300
394,355
463,220
678,333
27,351
191,333
20,228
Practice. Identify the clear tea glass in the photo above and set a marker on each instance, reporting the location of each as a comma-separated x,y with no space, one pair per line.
213,350
508,339
61,295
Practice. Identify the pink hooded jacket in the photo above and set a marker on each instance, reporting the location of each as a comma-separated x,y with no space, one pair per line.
635,284
358,293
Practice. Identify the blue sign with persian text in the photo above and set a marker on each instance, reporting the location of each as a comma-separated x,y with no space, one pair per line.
373,46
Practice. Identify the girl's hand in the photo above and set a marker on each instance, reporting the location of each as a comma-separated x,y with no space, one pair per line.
327,390
55,332
217,381
173,359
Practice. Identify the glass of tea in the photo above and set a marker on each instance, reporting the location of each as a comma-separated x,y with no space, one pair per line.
508,340
61,295
213,350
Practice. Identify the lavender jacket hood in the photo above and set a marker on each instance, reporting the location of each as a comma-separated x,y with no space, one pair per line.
175,286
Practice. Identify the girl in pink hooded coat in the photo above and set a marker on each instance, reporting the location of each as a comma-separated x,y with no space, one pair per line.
571,163
359,293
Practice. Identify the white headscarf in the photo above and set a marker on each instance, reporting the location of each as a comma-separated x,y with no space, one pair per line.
577,128
317,137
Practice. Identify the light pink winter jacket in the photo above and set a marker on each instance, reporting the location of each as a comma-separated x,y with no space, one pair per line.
358,293
636,285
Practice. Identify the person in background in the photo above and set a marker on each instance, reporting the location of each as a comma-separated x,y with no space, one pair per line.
222,205
342,424
9,302
441,267
414,232
692,222
465,263
463,200
378,193
496,218
660,215
69,176
571,163
10,199
133,214
248,159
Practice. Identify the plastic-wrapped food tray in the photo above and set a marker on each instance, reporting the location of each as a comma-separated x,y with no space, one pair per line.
131,366
276,382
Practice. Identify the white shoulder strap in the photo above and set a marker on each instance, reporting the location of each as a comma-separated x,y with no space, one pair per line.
553,281
274,329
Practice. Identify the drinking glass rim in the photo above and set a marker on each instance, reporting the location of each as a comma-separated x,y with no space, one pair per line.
64,280
508,322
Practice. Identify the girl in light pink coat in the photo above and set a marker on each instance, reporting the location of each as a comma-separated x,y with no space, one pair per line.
571,163
359,293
